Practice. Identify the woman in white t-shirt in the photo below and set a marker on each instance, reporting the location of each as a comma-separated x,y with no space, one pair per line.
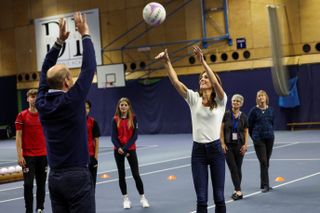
207,109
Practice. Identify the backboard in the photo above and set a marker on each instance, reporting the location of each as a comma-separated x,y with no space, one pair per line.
111,75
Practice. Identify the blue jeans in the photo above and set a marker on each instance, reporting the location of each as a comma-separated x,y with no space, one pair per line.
71,190
204,155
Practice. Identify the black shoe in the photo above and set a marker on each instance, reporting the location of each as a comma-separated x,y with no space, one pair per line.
265,189
235,196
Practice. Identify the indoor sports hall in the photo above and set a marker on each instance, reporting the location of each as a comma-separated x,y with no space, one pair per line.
176,89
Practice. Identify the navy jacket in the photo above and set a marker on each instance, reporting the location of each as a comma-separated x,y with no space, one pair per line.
62,114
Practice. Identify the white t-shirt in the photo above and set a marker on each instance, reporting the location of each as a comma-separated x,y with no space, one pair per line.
206,123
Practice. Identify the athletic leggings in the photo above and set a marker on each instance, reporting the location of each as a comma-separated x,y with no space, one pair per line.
133,162
36,168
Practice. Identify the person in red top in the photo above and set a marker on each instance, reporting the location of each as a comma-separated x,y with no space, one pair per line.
93,143
31,152
124,136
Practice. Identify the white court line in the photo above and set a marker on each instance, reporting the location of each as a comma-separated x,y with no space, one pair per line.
288,159
8,161
147,164
113,180
148,173
277,186
114,170
150,164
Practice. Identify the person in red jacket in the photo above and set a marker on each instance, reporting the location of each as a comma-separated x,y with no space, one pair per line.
93,143
31,153
124,136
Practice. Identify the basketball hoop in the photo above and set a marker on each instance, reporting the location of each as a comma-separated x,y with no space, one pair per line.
109,84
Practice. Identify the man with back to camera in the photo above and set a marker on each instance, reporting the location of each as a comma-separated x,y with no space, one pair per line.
61,106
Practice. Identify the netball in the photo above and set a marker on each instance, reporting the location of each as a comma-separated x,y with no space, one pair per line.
154,14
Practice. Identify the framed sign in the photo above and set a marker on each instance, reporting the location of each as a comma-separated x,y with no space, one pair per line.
47,31
241,43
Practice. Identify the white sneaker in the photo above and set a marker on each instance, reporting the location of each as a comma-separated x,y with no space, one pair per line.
144,202
126,203
39,211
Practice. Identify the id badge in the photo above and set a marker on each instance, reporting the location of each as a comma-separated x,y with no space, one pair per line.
234,136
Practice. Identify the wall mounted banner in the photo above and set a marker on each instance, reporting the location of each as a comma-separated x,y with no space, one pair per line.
47,31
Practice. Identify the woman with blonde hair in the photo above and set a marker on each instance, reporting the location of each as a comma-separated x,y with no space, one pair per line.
261,121
124,136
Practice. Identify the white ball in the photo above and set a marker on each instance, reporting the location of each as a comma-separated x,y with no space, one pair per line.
3,171
11,169
154,13
18,168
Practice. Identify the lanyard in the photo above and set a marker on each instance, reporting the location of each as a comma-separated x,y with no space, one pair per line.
235,122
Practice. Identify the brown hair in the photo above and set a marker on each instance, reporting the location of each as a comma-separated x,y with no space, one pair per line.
212,101
32,92
262,92
130,113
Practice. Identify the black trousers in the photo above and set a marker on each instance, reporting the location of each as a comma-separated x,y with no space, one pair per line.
263,150
134,166
36,168
93,168
234,160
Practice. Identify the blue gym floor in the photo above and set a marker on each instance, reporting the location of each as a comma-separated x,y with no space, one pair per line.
295,157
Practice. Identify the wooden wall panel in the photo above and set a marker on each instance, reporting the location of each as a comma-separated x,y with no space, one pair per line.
134,16
299,20
193,21
215,19
81,5
260,27
176,30
22,56
21,11
101,4
64,6
136,3
50,8
292,10
113,5
114,25
6,10
310,20
32,48
37,10
240,23
8,51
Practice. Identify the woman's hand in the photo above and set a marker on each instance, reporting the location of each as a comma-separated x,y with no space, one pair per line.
198,53
243,149
164,56
224,148
120,151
